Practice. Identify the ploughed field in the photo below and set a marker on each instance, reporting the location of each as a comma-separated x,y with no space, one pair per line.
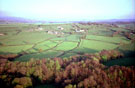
70,55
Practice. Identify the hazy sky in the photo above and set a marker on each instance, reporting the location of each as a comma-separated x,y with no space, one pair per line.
64,10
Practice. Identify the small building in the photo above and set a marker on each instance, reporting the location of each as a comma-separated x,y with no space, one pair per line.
60,28
1,34
79,30
54,32
40,28
49,32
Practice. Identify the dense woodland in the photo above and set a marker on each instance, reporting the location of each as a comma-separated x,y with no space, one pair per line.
80,71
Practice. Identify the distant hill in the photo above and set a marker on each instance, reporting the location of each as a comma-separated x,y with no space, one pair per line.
8,19
17,20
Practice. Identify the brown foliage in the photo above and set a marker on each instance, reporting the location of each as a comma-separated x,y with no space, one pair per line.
81,71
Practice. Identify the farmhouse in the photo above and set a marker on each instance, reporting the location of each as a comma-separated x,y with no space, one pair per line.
60,28
54,32
40,28
79,30
35,29
1,34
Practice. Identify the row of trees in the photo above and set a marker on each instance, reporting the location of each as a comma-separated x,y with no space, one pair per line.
129,35
82,71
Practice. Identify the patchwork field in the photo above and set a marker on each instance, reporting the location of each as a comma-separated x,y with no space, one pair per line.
63,40
68,55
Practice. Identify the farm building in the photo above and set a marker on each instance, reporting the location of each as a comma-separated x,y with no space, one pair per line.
1,34
79,30
60,28
54,32
39,29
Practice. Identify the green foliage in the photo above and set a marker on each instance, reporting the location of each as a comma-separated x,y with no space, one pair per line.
15,81
96,59
69,86
26,82
57,65
3,76
104,57
74,86
83,65
18,86
23,81
50,64
120,73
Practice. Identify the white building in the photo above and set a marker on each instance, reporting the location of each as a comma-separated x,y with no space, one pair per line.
79,30
1,34
59,27
54,32
40,28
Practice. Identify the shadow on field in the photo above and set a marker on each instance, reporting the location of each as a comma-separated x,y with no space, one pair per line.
127,60
84,50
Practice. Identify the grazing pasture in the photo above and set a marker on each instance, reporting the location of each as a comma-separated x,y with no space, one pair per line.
30,41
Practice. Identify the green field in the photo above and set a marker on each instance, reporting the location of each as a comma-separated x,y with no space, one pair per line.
31,42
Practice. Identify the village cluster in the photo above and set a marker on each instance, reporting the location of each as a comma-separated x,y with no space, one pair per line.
58,31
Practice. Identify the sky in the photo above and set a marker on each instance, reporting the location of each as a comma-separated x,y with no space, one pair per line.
68,10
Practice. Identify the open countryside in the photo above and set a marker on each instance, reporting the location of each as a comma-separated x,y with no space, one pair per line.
67,55
63,40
